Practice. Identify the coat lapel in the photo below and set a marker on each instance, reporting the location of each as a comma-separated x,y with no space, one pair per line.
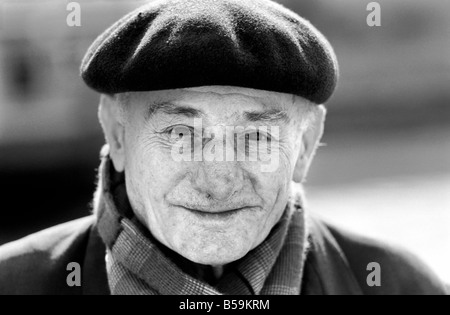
95,280
327,271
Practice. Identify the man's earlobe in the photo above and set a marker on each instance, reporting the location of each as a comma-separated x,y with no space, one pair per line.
114,131
310,142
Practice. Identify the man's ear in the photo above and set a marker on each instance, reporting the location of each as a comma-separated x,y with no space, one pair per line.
113,128
310,142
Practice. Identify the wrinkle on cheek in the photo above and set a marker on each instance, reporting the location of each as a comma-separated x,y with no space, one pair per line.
274,216
289,152
141,161
151,142
136,200
273,188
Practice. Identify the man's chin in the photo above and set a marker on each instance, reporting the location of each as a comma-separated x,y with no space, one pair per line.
214,254
213,260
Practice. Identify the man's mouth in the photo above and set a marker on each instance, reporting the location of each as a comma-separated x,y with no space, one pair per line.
218,214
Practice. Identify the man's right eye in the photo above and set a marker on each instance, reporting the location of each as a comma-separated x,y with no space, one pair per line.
180,132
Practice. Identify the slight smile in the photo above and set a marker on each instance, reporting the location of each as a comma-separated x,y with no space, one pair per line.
224,214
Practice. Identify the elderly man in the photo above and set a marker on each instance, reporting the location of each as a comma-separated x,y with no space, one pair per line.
212,112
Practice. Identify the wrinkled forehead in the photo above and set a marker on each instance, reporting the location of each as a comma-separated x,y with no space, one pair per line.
218,99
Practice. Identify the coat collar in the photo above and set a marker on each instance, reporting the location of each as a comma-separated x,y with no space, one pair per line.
327,271
95,281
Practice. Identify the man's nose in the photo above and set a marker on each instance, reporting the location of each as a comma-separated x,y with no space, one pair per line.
218,180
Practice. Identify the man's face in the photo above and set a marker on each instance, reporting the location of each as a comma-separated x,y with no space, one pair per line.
211,212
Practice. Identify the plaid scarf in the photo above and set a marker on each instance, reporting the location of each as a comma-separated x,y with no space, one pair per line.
138,264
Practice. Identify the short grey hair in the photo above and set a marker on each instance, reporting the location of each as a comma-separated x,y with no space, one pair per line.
308,111
119,102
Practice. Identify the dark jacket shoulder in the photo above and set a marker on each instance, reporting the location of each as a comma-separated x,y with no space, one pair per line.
401,272
29,265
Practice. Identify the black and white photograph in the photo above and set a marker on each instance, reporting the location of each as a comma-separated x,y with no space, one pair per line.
197,148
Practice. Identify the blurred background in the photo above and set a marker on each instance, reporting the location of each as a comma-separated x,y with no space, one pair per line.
384,171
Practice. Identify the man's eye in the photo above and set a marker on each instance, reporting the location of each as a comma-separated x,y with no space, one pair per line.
179,132
257,137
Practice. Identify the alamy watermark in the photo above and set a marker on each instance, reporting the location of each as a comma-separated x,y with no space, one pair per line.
374,277
257,144
374,17
74,16
73,279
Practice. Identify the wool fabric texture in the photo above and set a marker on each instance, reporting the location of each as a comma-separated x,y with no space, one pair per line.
171,44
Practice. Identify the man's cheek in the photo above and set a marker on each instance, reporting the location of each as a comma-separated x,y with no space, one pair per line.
160,177
271,182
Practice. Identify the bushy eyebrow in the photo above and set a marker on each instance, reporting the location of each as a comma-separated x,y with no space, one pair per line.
169,108
271,115
172,109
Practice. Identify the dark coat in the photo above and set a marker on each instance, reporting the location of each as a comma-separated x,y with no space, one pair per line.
336,263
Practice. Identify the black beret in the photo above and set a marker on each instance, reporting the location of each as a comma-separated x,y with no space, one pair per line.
170,44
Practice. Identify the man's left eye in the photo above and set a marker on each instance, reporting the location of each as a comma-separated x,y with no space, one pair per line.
257,136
